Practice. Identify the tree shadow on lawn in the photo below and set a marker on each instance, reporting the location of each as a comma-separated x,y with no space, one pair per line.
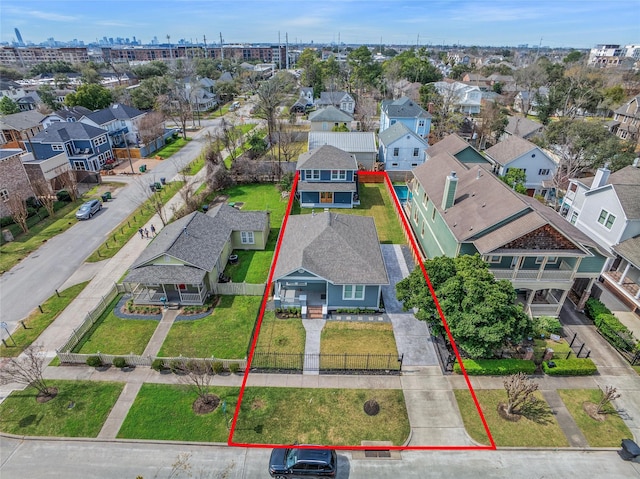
538,412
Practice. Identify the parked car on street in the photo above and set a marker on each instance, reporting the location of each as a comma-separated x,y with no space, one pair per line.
303,463
88,209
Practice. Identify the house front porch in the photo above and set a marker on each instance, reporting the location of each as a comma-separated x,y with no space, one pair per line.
543,302
160,294
623,287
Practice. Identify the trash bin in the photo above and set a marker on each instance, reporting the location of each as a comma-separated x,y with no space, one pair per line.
153,187
105,198
158,186
163,181
142,168
108,195
205,208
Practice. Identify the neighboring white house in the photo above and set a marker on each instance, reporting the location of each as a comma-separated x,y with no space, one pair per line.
461,97
516,152
607,208
400,148
328,118
340,99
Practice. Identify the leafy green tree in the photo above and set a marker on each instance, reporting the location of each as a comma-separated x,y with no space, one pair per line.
415,66
48,97
226,90
91,96
146,95
207,68
365,72
10,73
497,87
516,178
480,311
8,106
573,57
90,75
458,71
155,68
52,67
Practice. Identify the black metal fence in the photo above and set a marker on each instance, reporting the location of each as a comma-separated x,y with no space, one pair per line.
578,347
327,363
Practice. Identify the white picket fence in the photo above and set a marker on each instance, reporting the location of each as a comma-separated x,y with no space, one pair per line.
239,289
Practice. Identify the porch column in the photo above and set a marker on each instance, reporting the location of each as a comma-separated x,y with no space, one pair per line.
626,270
542,266
516,266
530,299
561,301
585,295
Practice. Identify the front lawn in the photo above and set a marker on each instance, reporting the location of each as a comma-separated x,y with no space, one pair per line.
375,202
164,412
560,348
37,322
79,410
538,429
347,337
280,335
173,147
607,433
253,265
223,334
320,416
114,335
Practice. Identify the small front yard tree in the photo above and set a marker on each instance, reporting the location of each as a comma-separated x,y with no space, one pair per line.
609,393
28,369
480,311
198,376
520,391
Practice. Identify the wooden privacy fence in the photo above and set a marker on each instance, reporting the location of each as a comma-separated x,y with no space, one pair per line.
239,289
137,360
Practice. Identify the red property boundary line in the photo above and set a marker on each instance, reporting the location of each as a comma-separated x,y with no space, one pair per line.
265,298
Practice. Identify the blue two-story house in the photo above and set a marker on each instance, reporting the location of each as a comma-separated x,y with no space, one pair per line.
328,179
86,147
405,110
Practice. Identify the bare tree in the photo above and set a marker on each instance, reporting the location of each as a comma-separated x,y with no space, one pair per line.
151,129
529,80
69,182
198,376
144,193
366,109
18,211
28,369
43,192
609,394
288,147
520,391
270,95
229,136
177,102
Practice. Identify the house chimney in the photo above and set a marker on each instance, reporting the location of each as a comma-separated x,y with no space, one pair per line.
449,195
602,175
479,175
636,163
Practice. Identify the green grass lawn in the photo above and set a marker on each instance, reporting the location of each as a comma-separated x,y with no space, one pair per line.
357,338
280,335
223,334
607,433
560,348
375,202
173,147
320,416
92,401
539,429
262,196
113,335
253,265
128,228
637,369
37,322
39,231
163,412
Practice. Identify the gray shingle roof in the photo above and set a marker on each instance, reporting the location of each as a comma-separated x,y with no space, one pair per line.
330,113
522,127
117,111
9,152
452,144
326,157
331,97
75,112
343,249
353,142
21,120
62,131
630,250
336,186
509,149
404,108
166,274
397,131
626,183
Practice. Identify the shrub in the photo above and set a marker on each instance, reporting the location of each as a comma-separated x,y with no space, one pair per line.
547,325
169,140
63,195
495,367
119,362
594,308
6,221
570,367
616,333
157,364
218,367
94,361
176,366
234,368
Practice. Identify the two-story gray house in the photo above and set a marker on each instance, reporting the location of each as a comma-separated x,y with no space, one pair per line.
401,149
407,111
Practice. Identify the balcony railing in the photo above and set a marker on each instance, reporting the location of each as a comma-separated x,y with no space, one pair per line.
533,274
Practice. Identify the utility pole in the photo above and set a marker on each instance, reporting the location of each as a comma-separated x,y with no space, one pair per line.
286,48
221,47
204,38
169,42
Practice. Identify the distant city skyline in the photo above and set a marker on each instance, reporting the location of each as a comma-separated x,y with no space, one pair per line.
555,23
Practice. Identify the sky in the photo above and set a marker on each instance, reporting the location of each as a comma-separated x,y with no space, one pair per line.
555,23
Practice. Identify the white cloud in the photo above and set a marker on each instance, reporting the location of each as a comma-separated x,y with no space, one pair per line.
54,17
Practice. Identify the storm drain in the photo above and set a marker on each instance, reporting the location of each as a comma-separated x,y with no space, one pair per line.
375,453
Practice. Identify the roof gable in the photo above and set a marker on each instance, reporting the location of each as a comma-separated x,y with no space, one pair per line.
329,113
326,157
117,111
403,108
62,131
396,131
509,149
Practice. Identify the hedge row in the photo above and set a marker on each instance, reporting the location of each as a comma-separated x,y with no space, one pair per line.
570,367
615,332
495,367
594,308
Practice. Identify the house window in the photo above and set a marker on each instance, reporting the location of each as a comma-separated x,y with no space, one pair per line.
246,237
573,187
4,194
312,175
552,260
422,231
416,151
606,219
421,123
433,213
574,218
494,259
340,175
543,171
101,140
396,151
79,165
393,122
425,198
415,216
394,165
539,259
353,291
57,147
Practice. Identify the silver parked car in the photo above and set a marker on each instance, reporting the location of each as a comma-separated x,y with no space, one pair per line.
88,209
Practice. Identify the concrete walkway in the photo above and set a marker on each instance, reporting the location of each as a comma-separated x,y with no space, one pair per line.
119,411
160,334
565,420
313,328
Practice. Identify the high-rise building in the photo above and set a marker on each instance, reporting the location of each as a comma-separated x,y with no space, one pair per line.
19,37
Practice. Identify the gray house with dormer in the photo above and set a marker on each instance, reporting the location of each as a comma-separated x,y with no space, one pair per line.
401,149
329,261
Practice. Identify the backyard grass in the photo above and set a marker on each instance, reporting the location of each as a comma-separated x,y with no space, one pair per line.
113,335
538,429
375,202
173,147
320,416
357,338
607,433
263,196
122,233
37,322
79,409
280,335
253,265
163,412
39,232
223,334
